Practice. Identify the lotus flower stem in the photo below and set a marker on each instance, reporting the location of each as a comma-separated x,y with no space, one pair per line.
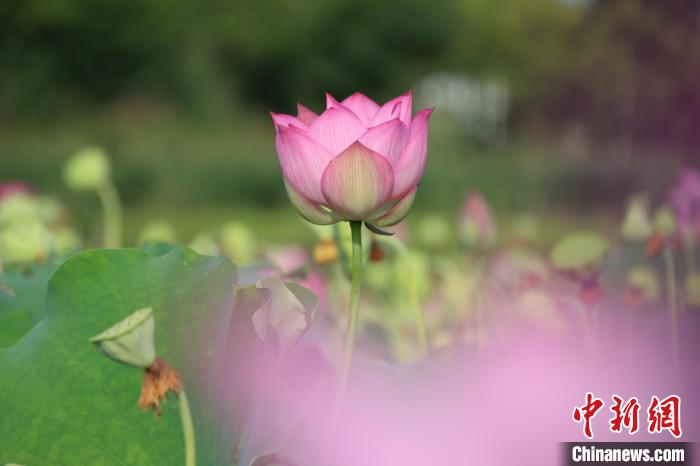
188,430
354,312
112,214
672,300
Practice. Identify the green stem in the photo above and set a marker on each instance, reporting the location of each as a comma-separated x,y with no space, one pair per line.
354,313
112,214
672,300
188,430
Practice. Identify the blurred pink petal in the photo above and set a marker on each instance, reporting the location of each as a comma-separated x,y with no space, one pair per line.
303,161
685,199
410,166
387,139
282,319
336,129
287,260
357,182
12,188
316,283
362,106
476,225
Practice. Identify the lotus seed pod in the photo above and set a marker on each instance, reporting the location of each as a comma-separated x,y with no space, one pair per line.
158,230
18,208
644,279
24,242
204,245
87,170
132,340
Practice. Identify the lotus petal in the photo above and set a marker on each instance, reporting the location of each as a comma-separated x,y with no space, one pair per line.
357,182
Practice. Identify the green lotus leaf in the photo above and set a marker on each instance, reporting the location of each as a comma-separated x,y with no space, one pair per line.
22,296
581,252
65,403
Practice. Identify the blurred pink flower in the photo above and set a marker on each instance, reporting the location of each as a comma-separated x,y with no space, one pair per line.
476,225
685,199
355,161
317,283
287,260
12,188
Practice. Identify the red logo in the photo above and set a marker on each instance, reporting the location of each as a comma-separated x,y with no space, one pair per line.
661,415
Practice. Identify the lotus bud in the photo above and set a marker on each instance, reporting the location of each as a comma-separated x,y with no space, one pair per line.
132,340
476,226
87,170
637,224
13,188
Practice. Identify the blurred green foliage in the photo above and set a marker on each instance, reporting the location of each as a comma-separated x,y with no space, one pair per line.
177,93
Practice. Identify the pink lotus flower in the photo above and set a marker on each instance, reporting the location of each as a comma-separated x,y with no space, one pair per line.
685,198
355,161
